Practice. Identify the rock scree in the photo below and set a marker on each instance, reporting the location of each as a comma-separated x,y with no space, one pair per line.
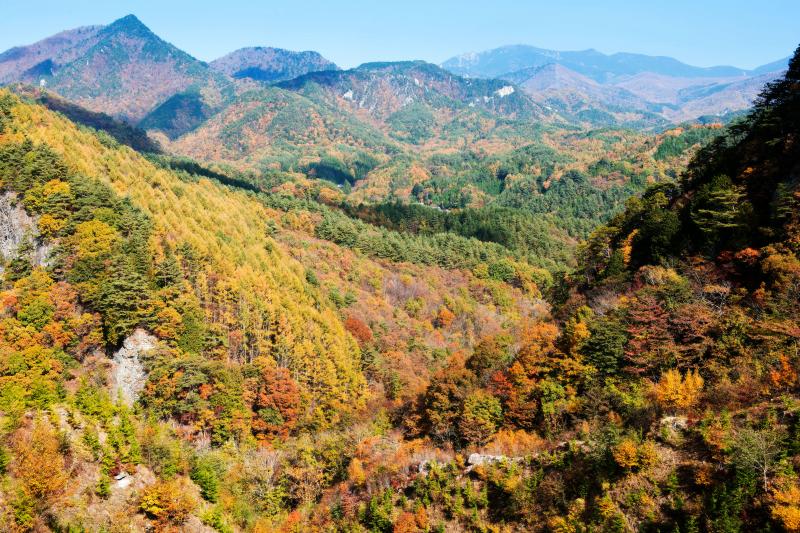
129,374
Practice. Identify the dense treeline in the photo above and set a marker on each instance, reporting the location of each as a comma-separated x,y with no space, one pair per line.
442,247
522,233
679,141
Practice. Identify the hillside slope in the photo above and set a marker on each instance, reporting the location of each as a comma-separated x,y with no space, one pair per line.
241,272
268,327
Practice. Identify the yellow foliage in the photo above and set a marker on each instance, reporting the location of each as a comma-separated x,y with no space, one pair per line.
167,502
607,507
786,505
50,225
674,391
356,473
253,283
626,454
53,187
648,454
93,239
168,323
627,246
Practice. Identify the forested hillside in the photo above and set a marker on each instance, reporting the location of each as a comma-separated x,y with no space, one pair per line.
389,299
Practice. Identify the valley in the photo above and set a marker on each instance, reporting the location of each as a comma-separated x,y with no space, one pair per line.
523,290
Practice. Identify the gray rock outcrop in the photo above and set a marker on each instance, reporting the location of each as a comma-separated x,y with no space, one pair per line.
129,374
16,226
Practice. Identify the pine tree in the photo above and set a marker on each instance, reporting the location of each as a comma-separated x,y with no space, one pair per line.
123,296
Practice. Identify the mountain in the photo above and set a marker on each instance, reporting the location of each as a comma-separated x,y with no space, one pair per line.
267,126
775,66
182,353
122,69
32,63
580,99
665,88
596,65
381,89
718,98
130,70
270,65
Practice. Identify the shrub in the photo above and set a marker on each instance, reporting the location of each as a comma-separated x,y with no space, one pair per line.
167,502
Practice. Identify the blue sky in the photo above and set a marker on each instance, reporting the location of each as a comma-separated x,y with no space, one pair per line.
700,32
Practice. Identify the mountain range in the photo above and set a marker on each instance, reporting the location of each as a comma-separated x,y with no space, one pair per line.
590,83
388,129
601,67
125,70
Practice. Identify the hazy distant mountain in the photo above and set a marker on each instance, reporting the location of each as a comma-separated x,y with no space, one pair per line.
582,99
775,66
719,98
597,84
591,63
270,64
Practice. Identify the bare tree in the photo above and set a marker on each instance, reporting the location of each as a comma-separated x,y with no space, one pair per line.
758,451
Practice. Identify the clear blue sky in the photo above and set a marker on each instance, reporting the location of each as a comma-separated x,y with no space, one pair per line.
700,32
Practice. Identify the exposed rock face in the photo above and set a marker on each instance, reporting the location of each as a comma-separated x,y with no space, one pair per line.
129,374
673,428
476,459
15,227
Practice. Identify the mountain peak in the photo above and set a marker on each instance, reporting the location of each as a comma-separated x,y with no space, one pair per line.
128,24
270,65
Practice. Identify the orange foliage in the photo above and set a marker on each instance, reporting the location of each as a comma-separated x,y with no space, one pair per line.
626,454
785,376
406,523
444,318
358,329
786,505
38,464
276,402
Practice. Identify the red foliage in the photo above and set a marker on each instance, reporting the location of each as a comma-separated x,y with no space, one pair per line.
651,344
358,329
276,402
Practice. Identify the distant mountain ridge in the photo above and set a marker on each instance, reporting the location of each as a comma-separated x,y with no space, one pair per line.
21,62
301,102
269,64
383,88
600,88
596,65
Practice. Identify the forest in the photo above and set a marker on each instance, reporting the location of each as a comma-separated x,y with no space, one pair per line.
504,341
